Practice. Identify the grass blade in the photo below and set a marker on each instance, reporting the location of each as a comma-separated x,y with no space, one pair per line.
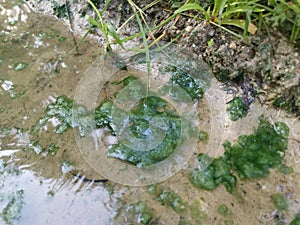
191,6
241,24
112,32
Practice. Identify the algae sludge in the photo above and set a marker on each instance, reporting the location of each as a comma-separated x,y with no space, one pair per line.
167,123
251,157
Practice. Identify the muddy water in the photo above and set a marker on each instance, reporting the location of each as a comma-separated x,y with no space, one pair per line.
34,69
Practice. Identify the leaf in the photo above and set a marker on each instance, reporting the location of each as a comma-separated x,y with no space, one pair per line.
112,32
293,6
94,22
240,9
218,7
241,24
191,6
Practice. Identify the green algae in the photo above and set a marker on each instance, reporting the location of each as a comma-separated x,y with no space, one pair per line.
141,210
103,116
172,199
140,117
195,211
296,220
62,39
20,66
217,172
236,109
279,201
135,213
183,80
185,209
188,83
62,110
184,222
251,157
126,80
169,126
52,149
37,148
223,210
169,197
254,155
228,222
284,169
12,211
70,115
67,166
203,136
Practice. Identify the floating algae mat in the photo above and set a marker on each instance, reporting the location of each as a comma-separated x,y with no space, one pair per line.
69,123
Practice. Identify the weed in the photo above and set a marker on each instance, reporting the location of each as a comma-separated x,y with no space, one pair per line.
249,16
286,14
106,28
235,13
244,14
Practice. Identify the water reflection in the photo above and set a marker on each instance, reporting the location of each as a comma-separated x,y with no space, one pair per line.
52,201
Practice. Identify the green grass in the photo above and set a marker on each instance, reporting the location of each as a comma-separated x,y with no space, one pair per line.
249,16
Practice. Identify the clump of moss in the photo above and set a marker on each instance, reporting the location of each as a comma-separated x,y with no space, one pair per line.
279,201
251,157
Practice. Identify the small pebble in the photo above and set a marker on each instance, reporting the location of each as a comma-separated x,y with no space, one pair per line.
271,96
232,45
188,29
211,33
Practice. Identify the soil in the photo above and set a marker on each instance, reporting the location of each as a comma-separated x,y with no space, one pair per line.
259,70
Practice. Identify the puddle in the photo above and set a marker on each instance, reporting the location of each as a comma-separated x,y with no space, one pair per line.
48,201
45,179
